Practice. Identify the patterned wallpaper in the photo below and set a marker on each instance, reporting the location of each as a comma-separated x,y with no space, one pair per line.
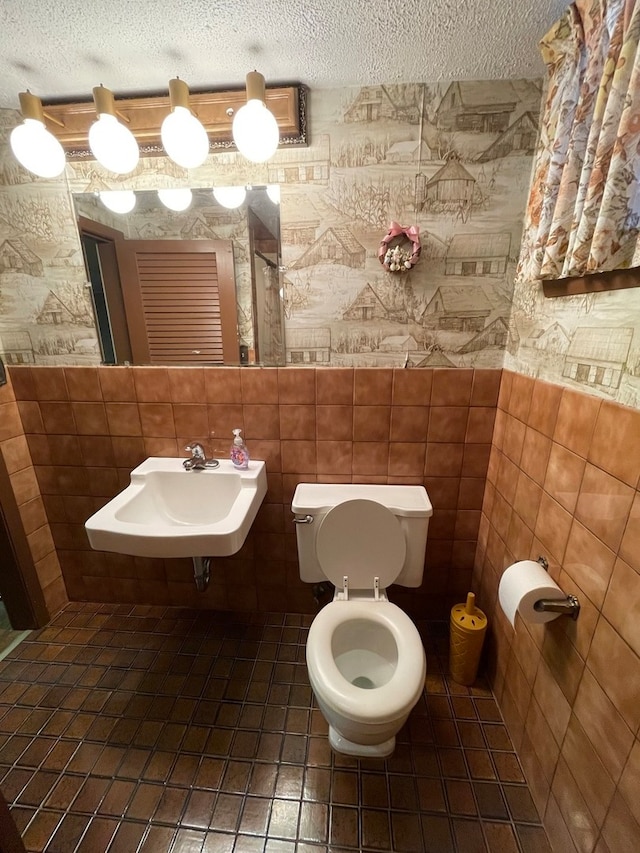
590,342
453,158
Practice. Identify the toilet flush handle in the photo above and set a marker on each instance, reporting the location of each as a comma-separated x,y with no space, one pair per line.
306,519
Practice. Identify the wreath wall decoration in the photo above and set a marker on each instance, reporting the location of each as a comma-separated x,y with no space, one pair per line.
400,248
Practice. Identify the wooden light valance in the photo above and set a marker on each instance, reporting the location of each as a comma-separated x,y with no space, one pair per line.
70,122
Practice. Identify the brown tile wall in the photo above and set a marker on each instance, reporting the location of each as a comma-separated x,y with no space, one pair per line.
562,474
563,481
15,452
86,428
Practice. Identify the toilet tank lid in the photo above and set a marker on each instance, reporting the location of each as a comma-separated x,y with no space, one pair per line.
409,501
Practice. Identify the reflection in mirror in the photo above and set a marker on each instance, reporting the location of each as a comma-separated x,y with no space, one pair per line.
180,278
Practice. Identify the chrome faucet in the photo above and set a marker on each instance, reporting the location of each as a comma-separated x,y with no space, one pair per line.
198,460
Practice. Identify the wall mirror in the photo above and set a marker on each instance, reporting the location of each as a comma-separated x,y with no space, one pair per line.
183,276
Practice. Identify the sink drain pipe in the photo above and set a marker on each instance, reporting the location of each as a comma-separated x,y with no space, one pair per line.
201,572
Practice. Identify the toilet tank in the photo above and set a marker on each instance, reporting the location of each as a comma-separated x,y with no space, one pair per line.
410,505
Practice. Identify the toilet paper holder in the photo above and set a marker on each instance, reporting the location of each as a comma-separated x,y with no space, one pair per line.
569,606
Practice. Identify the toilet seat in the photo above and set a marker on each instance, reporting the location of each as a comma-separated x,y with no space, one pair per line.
362,540
381,704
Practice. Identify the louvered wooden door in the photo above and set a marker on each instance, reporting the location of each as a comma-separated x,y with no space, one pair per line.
180,301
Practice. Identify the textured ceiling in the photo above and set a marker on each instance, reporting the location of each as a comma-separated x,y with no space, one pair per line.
62,48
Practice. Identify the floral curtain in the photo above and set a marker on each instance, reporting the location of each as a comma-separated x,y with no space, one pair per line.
583,214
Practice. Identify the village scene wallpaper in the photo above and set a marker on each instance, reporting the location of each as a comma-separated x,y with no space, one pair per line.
453,159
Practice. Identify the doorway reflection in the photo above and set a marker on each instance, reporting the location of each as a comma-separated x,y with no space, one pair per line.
9,637
254,325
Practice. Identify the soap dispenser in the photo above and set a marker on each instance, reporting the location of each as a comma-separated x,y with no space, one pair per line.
239,453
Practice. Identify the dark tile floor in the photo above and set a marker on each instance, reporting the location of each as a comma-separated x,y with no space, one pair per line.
153,729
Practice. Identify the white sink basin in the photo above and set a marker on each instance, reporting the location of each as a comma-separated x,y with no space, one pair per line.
167,511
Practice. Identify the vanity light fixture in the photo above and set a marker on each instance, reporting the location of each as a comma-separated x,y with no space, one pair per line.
118,201
177,199
184,138
111,143
255,129
230,197
35,147
70,122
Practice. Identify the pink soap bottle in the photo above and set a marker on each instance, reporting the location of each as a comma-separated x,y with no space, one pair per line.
239,453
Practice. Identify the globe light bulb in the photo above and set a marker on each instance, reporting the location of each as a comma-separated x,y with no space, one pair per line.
37,149
178,199
118,201
255,131
273,191
184,138
113,145
230,197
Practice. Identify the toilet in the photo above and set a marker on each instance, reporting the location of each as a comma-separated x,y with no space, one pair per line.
365,657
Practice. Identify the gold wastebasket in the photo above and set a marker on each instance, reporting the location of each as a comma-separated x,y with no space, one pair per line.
468,626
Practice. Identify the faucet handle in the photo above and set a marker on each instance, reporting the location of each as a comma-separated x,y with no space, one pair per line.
196,450
198,460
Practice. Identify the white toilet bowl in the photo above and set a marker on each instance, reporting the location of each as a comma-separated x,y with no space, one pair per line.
365,657
367,667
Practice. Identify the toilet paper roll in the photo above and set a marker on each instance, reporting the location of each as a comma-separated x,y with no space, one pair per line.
521,585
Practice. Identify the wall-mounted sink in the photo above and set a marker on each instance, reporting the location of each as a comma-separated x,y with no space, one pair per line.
169,512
